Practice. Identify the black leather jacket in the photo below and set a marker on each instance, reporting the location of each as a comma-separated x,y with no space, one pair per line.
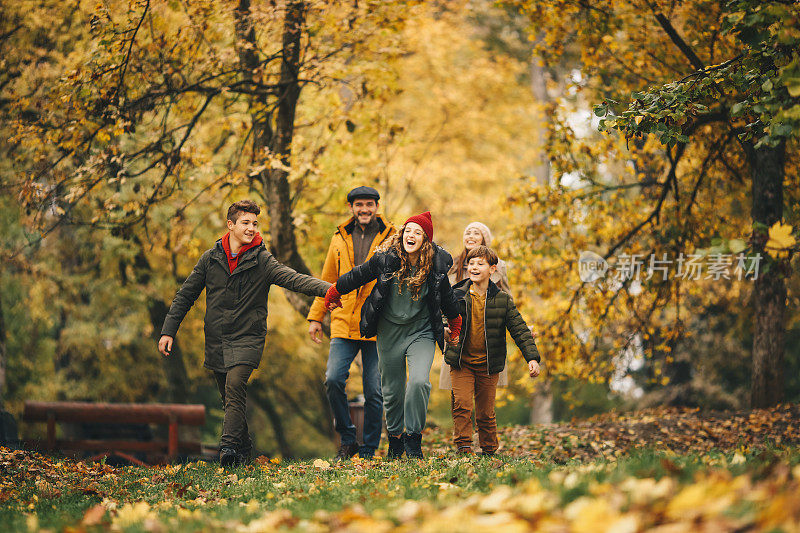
382,266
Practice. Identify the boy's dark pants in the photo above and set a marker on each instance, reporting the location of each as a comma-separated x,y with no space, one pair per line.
233,389
469,383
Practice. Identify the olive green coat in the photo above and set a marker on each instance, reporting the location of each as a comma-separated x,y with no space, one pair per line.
236,304
500,315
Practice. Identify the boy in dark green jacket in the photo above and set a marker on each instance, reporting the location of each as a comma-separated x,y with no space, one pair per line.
479,355
236,273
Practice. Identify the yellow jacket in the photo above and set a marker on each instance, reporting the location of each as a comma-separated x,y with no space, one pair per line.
344,320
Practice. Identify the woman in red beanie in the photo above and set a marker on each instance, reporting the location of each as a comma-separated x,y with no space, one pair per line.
404,310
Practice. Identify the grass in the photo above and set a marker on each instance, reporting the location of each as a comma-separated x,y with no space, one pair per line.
680,470
305,495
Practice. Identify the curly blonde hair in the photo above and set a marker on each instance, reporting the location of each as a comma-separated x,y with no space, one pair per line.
425,262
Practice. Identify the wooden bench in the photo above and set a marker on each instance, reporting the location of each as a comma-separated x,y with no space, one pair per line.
172,415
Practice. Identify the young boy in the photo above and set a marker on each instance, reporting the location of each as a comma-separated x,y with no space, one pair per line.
236,273
479,354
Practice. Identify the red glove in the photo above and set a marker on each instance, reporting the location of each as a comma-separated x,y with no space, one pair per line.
455,328
332,298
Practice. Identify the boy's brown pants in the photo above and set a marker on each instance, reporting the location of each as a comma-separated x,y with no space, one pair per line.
469,383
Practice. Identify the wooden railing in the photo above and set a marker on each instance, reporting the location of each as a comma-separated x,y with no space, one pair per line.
171,415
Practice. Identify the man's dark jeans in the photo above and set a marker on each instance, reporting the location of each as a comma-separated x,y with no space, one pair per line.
233,389
341,355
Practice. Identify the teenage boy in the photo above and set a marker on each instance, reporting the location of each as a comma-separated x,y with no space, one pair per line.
353,244
479,354
236,273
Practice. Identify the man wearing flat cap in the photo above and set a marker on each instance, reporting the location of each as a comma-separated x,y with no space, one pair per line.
353,243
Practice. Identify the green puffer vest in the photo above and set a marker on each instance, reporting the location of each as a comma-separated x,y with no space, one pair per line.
500,315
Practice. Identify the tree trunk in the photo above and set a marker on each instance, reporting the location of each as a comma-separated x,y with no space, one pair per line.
2,356
769,290
542,404
275,180
325,408
263,401
542,397
174,365
277,141
539,89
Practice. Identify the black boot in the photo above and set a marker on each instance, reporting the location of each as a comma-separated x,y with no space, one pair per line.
346,451
413,445
244,458
396,447
365,452
228,458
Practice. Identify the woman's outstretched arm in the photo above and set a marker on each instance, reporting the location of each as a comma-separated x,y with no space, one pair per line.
361,275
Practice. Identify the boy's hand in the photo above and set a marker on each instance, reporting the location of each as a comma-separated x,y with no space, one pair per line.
533,368
532,331
315,331
165,344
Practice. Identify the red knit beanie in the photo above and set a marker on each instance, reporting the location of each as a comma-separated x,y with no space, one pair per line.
425,221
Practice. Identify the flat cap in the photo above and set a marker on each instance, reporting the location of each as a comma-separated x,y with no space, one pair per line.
363,192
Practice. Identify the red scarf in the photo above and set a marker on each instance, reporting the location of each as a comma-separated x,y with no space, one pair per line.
226,245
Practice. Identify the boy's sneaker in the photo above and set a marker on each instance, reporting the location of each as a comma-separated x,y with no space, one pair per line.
228,458
488,454
396,447
346,451
464,450
412,442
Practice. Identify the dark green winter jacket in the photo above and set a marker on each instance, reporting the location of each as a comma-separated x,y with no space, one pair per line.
236,305
500,315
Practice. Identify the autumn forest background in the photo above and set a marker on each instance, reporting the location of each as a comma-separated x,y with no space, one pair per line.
617,127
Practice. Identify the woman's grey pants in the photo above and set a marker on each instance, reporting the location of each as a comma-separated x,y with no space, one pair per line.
405,402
